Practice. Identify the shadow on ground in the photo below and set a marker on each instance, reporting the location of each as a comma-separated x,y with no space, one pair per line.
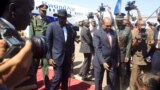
76,67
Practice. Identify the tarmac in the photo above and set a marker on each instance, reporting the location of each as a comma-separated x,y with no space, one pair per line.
78,63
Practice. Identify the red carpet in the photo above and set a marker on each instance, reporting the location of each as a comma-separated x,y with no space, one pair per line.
74,84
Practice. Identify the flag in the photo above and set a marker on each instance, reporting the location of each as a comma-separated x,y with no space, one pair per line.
117,9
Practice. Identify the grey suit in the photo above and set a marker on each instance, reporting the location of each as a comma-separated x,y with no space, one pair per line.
86,41
86,48
155,53
104,53
61,52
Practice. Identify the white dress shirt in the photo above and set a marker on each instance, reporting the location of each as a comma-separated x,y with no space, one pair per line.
65,33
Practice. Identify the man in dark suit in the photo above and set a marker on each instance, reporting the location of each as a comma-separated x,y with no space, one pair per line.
86,48
60,37
155,50
106,54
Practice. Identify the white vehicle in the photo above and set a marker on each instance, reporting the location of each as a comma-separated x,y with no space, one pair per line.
78,13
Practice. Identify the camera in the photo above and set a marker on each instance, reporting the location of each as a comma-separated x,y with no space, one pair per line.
130,6
142,34
15,43
90,15
102,8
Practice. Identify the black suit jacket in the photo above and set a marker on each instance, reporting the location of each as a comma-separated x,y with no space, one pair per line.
103,51
58,48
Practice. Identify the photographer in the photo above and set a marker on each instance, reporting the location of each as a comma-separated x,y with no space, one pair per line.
140,49
13,70
129,7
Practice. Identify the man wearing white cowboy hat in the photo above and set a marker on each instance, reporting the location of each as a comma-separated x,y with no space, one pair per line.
60,38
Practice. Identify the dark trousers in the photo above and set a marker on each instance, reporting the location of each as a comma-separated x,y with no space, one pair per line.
44,64
86,65
124,75
111,77
155,61
61,75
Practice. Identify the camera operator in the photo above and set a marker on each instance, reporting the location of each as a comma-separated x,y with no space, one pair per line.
140,49
13,70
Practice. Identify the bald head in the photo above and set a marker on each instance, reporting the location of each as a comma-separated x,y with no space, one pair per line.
141,24
106,23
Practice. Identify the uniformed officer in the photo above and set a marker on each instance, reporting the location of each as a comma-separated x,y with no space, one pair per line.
140,49
39,23
124,41
38,27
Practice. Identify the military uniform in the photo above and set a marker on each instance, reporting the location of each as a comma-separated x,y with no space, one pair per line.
139,54
38,27
124,41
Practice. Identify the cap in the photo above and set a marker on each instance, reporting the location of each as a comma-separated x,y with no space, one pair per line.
43,7
120,16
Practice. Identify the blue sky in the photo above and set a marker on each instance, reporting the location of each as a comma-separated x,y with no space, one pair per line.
147,7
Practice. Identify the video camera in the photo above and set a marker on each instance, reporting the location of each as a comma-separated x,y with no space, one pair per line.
15,43
102,8
142,34
90,15
130,6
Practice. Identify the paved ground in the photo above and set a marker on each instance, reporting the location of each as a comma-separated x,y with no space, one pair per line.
77,64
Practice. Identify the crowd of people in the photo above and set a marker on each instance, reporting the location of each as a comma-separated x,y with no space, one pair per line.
128,52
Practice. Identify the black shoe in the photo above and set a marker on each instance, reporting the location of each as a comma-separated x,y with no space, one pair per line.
86,79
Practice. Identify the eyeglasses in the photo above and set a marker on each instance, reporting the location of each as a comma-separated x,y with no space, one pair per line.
108,25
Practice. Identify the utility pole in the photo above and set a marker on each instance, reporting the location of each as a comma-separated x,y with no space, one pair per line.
152,13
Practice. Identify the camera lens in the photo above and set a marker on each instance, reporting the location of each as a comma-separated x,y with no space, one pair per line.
39,46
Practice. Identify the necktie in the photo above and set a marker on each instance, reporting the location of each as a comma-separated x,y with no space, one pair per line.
110,39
